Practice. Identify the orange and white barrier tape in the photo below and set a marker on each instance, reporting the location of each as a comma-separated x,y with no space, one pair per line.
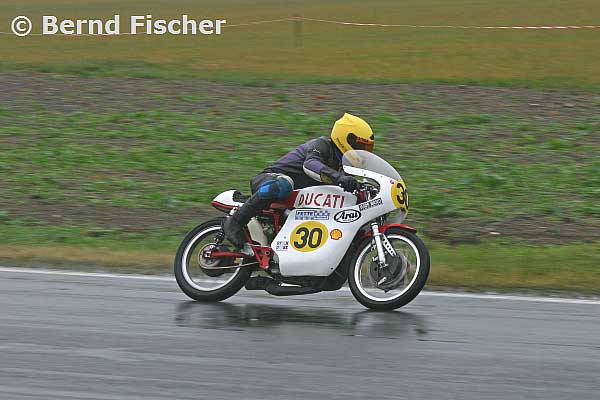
365,24
445,26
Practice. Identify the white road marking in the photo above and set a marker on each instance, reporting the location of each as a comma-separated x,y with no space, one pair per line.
482,296
85,274
539,299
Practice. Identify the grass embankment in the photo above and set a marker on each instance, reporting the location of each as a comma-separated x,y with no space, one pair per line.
484,266
504,191
328,52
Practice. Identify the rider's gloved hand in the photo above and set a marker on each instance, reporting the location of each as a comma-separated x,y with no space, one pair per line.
348,183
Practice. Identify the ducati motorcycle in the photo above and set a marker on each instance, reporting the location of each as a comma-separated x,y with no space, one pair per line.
316,240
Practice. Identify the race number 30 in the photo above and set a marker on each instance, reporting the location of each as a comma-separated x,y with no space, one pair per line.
400,195
309,236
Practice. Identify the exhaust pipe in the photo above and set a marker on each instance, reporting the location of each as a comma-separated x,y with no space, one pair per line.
276,288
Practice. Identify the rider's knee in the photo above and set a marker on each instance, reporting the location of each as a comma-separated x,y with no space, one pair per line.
276,189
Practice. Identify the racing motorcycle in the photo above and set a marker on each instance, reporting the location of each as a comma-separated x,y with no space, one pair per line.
316,240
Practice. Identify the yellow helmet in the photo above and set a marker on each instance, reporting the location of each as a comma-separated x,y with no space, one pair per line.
352,133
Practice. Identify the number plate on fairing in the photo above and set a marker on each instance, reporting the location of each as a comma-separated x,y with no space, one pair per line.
309,236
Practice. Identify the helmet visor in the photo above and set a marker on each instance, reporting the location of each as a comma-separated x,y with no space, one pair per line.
358,143
362,144
365,146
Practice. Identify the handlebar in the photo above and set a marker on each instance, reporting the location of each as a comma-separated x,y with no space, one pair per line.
365,187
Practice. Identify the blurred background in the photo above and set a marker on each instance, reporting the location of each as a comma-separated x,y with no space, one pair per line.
111,148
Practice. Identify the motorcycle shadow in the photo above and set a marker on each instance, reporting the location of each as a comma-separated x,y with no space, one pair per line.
228,316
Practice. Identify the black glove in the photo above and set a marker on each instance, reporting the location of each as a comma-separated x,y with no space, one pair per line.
348,183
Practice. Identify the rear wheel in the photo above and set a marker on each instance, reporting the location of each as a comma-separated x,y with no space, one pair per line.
201,278
405,279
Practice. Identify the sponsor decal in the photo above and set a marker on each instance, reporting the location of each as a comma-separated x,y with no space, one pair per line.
321,200
309,236
370,204
347,216
282,245
312,215
336,234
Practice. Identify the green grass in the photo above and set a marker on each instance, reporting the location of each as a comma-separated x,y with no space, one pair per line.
143,159
485,266
570,267
465,171
266,53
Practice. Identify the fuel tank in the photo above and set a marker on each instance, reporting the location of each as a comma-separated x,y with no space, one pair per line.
326,196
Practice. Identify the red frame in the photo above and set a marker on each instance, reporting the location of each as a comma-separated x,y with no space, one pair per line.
263,254
223,254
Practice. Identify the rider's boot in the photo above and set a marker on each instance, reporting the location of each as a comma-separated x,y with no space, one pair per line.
233,227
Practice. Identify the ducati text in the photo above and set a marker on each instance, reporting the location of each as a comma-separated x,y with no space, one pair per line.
321,200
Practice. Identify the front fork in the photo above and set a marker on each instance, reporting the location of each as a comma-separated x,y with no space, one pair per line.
382,245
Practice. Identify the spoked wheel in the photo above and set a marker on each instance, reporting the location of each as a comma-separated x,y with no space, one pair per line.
200,277
397,285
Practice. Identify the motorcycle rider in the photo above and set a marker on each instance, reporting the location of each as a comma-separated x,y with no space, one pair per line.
316,162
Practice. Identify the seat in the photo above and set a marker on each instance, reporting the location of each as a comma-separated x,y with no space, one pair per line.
239,197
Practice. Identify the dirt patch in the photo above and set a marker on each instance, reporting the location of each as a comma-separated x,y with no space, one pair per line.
527,229
56,93
102,219
109,218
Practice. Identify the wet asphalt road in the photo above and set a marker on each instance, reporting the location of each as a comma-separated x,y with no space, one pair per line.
81,337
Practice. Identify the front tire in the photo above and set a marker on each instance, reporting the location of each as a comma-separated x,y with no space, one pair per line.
364,289
206,285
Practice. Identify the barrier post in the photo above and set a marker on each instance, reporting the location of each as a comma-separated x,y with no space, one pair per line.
297,30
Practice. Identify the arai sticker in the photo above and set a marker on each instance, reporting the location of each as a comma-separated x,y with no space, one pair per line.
347,216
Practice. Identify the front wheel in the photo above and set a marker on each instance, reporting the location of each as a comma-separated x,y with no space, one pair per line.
407,276
201,278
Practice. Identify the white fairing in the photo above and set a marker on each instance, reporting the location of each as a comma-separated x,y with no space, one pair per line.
226,198
333,218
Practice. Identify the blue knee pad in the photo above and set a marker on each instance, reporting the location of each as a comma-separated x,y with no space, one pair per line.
275,189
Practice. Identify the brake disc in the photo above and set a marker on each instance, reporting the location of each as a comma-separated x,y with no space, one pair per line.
210,266
390,277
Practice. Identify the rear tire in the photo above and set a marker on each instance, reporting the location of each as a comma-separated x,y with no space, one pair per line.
407,293
183,263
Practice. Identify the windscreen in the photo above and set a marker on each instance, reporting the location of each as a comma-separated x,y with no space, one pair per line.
369,161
